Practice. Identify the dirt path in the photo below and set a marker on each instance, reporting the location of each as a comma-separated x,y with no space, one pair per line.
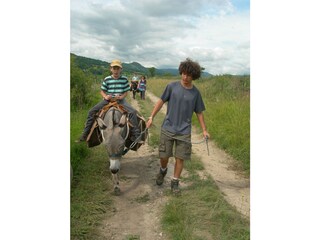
136,213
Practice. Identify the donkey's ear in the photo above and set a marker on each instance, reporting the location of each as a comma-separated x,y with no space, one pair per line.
123,120
101,123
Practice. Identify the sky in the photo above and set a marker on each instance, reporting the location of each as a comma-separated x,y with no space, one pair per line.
162,33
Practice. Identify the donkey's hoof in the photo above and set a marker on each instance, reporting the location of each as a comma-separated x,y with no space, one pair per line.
117,191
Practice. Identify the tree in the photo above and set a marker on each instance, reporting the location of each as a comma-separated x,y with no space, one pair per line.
152,71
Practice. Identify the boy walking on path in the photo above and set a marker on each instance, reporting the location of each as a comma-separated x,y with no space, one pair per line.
115,86
183,99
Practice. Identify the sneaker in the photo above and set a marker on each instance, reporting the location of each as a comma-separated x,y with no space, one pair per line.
160,176
175,186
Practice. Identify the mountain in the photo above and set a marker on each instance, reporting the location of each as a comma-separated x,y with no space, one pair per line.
100,67
135,67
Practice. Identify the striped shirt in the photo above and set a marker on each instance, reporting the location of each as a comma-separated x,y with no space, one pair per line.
115,86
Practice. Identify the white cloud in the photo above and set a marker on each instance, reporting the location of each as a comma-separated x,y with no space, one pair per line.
161,33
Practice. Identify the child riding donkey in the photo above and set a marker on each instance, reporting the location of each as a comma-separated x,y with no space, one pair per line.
114,87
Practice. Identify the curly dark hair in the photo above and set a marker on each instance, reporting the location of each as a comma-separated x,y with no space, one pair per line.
191,68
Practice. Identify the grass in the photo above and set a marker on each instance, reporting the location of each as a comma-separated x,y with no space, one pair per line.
227,99
78,152
201,211
231,129
143,199
90,198
132,237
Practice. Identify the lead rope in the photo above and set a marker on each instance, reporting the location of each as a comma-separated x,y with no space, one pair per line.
207,144
136,141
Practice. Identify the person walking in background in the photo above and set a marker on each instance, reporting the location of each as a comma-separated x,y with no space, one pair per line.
142,87
183,99
134,85
115,86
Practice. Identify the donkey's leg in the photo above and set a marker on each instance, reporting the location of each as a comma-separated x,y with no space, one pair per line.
114,168
115,178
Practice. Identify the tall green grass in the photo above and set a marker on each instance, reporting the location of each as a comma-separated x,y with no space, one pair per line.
230,126
78,118
227,99
78,152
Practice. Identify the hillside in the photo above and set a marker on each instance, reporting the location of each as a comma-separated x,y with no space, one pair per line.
99,67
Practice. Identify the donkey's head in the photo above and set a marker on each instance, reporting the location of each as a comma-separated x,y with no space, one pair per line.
114,132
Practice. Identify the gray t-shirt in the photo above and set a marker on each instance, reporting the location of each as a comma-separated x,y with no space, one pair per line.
182,103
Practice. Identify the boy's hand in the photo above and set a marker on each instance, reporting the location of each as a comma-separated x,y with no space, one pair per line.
149,122
206,135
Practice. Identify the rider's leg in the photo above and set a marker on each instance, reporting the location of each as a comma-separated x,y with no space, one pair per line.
135,132
90,118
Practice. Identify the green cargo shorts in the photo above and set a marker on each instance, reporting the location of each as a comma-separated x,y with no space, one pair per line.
182,145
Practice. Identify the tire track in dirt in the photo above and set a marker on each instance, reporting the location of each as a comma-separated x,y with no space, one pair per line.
232,184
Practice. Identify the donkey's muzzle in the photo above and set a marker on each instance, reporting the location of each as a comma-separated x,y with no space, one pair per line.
114,171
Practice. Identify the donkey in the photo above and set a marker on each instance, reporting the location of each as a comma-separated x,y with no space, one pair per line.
134,88
114,128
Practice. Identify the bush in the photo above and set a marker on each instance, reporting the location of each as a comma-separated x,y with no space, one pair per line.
80,87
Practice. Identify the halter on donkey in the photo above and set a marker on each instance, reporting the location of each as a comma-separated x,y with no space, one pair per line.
112,128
